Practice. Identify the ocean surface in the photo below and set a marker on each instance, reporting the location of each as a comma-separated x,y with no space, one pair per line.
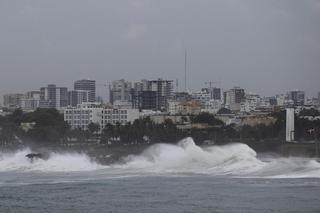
163,178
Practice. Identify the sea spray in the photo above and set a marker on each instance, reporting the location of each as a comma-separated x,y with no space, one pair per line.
57,162
166,159
187,157
232,159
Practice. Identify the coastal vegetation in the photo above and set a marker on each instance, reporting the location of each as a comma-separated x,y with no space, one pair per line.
48,126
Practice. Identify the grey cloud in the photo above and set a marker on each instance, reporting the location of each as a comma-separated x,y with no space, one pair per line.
265,46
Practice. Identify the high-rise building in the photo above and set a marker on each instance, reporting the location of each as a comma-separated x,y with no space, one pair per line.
164,92
148,100
233,98
53,97
12,101
215,93
153,94
120,91
136,93
297,97
87,85
76,97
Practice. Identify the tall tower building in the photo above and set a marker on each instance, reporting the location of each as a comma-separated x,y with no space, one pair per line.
53,97
152,94
120,91
87,85
76,97
164,92
233,98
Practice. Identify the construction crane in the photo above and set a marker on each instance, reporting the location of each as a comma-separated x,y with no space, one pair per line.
210,83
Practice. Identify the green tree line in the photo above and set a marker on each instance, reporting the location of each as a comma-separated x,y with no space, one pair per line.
50,127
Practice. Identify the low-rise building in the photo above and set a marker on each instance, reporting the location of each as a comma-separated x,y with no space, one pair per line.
30,101
254,120
202,97
192,107
250,104
12,101
212,106
311,101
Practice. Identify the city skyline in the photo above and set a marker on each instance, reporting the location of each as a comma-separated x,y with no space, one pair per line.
106,87
266,47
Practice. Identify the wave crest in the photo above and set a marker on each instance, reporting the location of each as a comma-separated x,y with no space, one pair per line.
233,159
165,159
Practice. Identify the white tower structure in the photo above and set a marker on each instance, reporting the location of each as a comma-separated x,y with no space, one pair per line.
290,125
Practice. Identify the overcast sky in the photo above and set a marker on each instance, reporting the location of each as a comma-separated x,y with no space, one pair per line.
266,47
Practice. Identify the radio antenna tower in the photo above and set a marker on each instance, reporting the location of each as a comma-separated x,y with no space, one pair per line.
185,71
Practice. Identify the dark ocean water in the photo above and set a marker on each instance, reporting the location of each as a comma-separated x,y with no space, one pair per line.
163,178
191,193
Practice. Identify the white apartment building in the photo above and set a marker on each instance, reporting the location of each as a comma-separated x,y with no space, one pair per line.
281,99
203,96
173,107
252,101
121,116
122,104
81,116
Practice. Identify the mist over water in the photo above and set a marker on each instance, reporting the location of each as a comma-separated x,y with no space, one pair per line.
184,158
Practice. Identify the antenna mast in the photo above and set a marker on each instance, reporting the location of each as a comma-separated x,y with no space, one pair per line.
185,71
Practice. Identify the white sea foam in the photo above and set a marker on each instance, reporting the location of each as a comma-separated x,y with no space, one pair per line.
184,158
233,159
56,162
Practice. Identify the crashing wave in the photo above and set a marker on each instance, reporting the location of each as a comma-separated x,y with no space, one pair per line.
183,158
233,159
